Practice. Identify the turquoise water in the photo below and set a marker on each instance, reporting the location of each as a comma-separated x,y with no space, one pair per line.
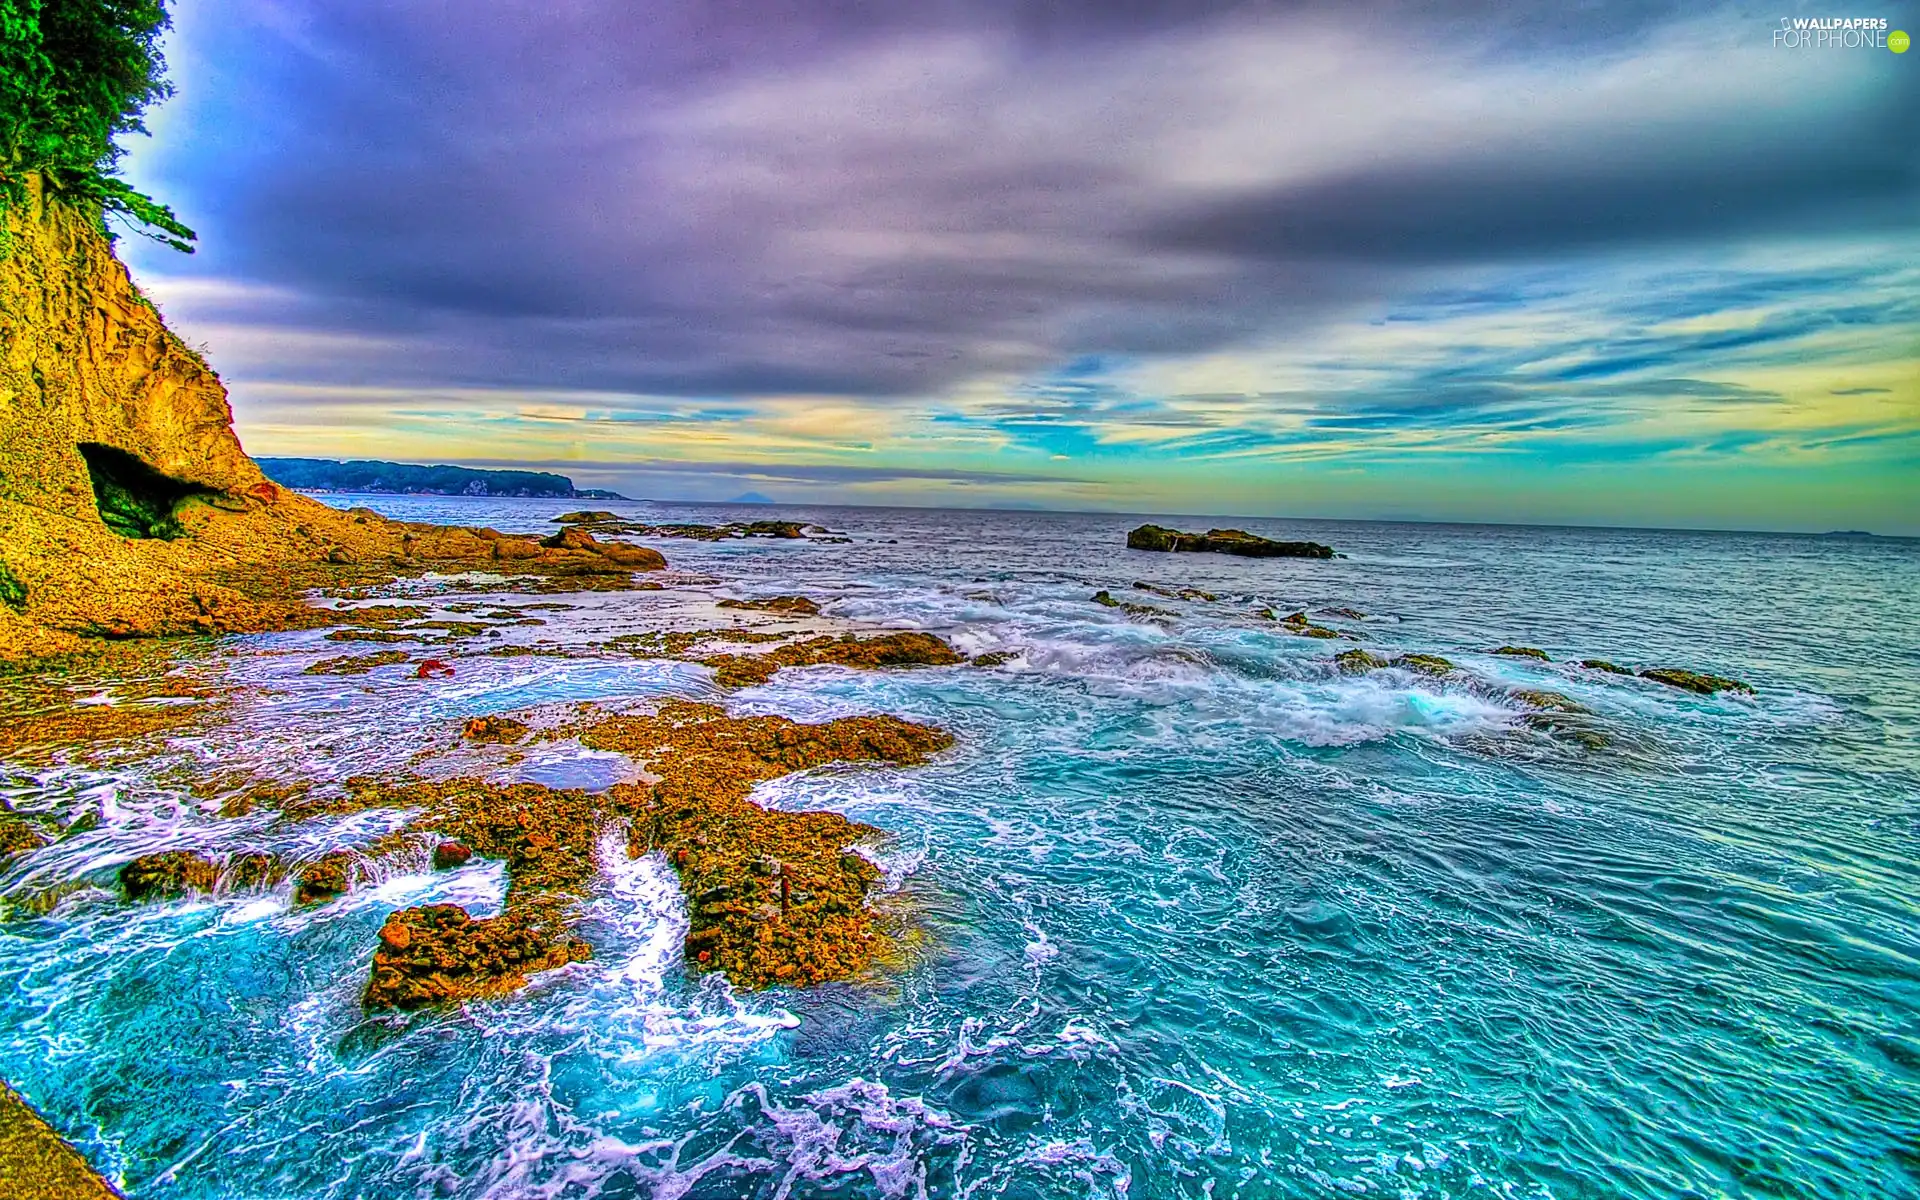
1206,918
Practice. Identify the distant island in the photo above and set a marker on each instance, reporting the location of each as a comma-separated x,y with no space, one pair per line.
411,479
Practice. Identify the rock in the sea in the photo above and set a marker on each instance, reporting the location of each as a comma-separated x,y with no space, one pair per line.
437,954
503,730
797,605
356,664
1601,664
1358,662
1350,614
17,836
591,517
1425,664
1103,596
1222,541
328,876
1694,681
1522,652
168,875
1298,625
994,658
1542,700
775,897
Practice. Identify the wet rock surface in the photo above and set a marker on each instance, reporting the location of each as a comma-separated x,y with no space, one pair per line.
798,605
1222,541
168,875
1521,652
905,649
1694,681
776,897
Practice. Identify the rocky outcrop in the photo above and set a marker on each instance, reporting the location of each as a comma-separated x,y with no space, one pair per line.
775,897
1222,541
127,505
168,875
799,606
1694,681
1521,652
906,649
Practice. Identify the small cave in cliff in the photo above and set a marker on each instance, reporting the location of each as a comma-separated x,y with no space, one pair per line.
135,500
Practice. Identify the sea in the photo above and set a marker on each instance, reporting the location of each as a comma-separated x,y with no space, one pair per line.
1196,914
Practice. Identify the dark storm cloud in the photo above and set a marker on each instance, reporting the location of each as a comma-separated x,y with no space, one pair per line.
890,199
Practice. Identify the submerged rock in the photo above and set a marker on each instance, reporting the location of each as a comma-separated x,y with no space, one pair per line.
1351,614
993,658
168,875
1694,681
1601,664
1522,652
1222,541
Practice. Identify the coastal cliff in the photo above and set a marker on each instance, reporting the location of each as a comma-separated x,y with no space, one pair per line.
127,505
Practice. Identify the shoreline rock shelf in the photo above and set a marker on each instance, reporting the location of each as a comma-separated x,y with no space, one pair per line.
775,897
1222,541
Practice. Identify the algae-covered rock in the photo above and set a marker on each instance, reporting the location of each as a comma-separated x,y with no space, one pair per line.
1601,664
1694,681
437,954
356,664
1545,701
1104,597
797,605
17,836
993,658
325,878
775,897
1425,664
1358,662
168,875
905,649
593,517
1222,541
503,730
1522,652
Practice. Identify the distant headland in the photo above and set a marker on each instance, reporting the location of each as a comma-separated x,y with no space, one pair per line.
411,479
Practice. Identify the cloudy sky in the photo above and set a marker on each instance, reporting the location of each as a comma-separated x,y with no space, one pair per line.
1621,263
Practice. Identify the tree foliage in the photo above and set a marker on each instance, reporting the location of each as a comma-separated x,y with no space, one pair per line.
75,75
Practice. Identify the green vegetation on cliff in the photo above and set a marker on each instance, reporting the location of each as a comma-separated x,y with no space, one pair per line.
74,76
